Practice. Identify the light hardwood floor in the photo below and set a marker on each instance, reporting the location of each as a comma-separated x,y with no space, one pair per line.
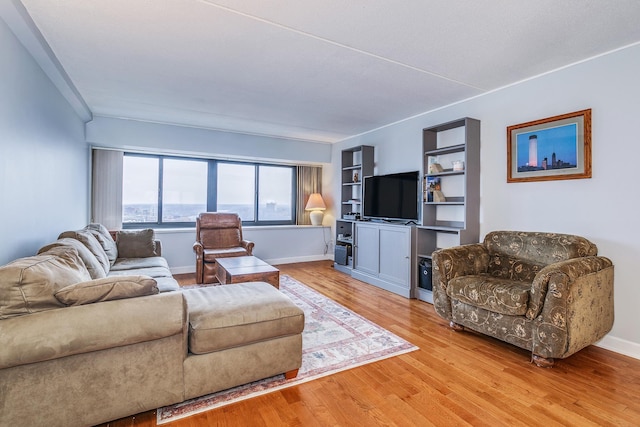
455,379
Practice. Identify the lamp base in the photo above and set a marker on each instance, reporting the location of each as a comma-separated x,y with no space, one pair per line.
316,217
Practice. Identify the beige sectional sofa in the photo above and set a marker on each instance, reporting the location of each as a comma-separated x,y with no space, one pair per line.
85,341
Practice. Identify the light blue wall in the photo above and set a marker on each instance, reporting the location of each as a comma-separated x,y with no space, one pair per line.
166,138
604,208
43,156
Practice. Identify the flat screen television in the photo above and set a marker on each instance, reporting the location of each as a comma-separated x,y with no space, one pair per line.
391,197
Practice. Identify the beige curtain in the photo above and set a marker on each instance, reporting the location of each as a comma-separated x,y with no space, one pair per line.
309,181
106,188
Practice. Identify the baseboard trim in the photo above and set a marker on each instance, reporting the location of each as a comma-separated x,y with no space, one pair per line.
619,345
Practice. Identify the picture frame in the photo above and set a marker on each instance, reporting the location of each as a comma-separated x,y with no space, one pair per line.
555,148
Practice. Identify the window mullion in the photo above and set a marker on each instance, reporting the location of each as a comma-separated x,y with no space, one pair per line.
160,187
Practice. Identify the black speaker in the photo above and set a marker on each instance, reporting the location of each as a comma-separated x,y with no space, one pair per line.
425,275
341,254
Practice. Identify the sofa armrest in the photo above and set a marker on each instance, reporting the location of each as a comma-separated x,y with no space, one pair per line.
248,246
453,262
578,307
560,272
73,330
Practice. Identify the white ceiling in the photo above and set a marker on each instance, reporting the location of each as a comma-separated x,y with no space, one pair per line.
314,70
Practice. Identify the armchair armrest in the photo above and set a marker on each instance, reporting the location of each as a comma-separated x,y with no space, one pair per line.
577,306
550,277
453,262
248,245
198,249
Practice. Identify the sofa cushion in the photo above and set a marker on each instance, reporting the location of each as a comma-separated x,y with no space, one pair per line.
227,316
103,237
27,285
136,243
494,294
90,261
107,289
155,267
124,264
87,239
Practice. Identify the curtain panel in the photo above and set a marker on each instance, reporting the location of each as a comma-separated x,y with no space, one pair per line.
309,181
106,188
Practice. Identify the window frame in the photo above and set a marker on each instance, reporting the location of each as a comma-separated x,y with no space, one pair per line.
212,181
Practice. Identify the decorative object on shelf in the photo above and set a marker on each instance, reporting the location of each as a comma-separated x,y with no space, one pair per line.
435,168
554,148
356,178
433,185
316,205
458,165
438,196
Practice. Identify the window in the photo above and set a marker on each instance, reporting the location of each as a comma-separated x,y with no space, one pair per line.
275,193
169,191
184,190
140,189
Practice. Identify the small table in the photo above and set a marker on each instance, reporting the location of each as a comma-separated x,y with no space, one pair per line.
246,269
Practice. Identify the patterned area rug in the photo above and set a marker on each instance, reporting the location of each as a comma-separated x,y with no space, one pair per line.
334,339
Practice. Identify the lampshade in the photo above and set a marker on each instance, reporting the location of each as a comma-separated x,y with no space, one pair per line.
316,206
315,203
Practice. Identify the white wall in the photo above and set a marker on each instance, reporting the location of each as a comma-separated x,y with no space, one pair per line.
603,209
166,138
43,156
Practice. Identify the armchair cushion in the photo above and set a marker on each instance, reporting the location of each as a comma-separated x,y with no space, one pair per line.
210,255
498,295
221,238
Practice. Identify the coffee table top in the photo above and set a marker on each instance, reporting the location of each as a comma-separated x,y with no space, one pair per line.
250,261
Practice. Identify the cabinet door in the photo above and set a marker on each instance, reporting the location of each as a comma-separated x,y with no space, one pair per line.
366,248
395,255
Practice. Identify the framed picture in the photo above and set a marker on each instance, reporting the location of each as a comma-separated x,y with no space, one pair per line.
550,149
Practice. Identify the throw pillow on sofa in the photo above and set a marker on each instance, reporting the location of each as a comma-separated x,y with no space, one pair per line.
91,243
103,237
27,285
107,289
136,243
90,261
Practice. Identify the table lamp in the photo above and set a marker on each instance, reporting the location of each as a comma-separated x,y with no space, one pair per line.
316,205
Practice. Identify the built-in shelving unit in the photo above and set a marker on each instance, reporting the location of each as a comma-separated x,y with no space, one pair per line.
455,148
357,162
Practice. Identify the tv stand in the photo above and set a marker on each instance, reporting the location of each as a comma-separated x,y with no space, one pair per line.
384,256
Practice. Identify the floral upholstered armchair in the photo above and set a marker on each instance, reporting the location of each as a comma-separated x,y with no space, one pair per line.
544,292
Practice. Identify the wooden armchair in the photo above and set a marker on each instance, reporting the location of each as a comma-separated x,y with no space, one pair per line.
218,235
548,293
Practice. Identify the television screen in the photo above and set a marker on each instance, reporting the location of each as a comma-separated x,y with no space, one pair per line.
393,196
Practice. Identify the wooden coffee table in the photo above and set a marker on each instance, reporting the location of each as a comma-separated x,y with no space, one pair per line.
246,269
